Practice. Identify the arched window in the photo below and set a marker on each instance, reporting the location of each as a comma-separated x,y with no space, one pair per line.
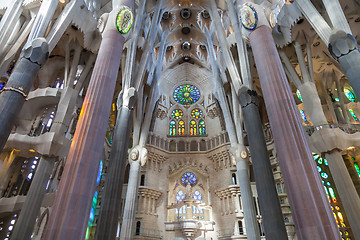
233,178
138,228
241,229
180,196
349,94
202,130
142,180
172,128
193,128
197,196
181,129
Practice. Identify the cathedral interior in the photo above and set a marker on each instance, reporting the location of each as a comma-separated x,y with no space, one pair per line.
179,119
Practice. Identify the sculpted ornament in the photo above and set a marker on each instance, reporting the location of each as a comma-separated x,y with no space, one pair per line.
124,20
248,17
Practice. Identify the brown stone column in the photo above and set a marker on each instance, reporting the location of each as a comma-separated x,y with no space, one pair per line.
311,210
71,209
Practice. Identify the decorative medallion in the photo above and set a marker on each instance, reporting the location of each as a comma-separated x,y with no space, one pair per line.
196,113
124,20
272,20
177,113
186,94
248,17
243,154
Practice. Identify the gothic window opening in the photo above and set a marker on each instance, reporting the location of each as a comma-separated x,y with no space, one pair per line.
43,122
202,130
138,228
181,128
172,128
233,178
180,196
241,228
142,180
193,128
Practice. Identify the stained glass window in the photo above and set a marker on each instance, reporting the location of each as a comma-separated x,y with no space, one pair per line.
298,94
349,94
186,94
193,128
172,128
302,113
202,130
180,196
357,168
197,196
196,113
177,113
353,114
181,130
2,85
188,178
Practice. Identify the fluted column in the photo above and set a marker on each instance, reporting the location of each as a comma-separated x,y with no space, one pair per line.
31,208
70,212
305,190
274,226
137,157
110,207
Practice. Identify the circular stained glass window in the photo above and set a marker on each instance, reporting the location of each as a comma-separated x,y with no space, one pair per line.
186,94
188,178
177,113
196,113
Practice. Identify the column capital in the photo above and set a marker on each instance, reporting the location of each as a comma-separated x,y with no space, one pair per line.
138,154
341,44
37,51
247,97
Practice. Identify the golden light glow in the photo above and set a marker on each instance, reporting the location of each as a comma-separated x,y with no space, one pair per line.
32,150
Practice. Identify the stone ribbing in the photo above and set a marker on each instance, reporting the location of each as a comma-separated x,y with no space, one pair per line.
70,213
311,210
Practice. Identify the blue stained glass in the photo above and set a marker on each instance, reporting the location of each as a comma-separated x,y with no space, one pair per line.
202,130
349,94
197,196
319,169
99,173
303,115
180,196
188,178
353,114
172,128
2,85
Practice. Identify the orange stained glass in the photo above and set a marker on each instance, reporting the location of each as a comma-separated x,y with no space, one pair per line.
181,130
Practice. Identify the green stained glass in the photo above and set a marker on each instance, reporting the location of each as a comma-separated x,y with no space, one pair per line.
181,129
319,169
186,94
349,94
172,128
196,113
324,175
177,113
193,128
357,168
353,114
202,130
298,94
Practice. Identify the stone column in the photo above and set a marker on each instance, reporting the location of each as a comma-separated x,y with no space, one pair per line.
305,190
251,224
346,189
137,157
31,208
14,94
274,226
70,212
110,207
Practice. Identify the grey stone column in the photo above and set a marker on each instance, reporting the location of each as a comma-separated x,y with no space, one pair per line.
239,152
137,157
110,206
344,48
274,226
31,208
13,96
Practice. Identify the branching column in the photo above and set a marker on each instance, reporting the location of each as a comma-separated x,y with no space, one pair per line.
305,190
70,212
